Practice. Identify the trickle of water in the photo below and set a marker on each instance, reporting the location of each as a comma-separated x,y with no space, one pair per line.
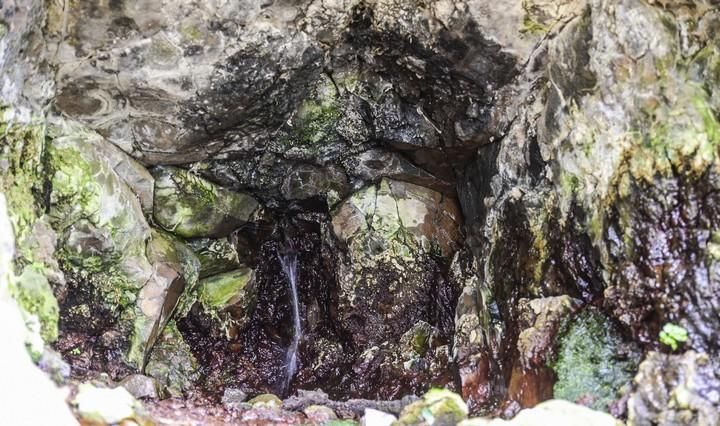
288,260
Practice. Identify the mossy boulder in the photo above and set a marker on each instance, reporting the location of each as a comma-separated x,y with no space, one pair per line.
99,218
393,237
437,407
216,255
229,297
190,206
34,294
593,363
171,287
171,361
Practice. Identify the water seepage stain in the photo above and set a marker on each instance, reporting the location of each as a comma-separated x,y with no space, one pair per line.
288,261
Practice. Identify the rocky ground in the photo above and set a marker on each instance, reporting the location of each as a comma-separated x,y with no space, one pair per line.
499,210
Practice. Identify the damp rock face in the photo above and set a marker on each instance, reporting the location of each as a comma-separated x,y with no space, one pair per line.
394,238
601,188
513,198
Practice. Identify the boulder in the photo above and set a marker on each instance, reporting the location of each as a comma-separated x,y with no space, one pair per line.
216,255
676,389
392,236
437,407
172,363
190,206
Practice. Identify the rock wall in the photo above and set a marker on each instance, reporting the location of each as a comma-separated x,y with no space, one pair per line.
515,200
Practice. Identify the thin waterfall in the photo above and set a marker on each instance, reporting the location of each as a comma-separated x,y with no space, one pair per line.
288,260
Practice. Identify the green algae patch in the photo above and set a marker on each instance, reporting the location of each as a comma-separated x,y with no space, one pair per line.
223,290
593,362
316,118
22,147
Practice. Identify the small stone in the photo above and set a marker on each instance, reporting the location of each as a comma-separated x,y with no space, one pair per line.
141,386
319,414
234,399
266,400
102,405
377,418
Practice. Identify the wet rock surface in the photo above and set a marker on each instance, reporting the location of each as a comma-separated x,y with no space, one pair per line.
516,201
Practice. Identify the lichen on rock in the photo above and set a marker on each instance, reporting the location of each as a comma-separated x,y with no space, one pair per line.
190,206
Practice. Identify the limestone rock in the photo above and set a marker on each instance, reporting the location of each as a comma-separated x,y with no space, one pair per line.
553,412
102,405
676,389
392,236
216,255
172,363
190,206
437,407
141,386
266,400
319,414
234,399
393,211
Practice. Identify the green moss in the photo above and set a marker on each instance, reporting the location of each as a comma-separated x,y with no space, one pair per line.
315,123
316,118
438,406
220,291
593,362
22,147
34,295
530,26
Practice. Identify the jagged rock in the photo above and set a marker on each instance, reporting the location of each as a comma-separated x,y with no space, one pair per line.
676,389
123,278
216,256
376,163
532,379
102,232
135,176
305,181
389,276
171,285
172,363
141,386
190,206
